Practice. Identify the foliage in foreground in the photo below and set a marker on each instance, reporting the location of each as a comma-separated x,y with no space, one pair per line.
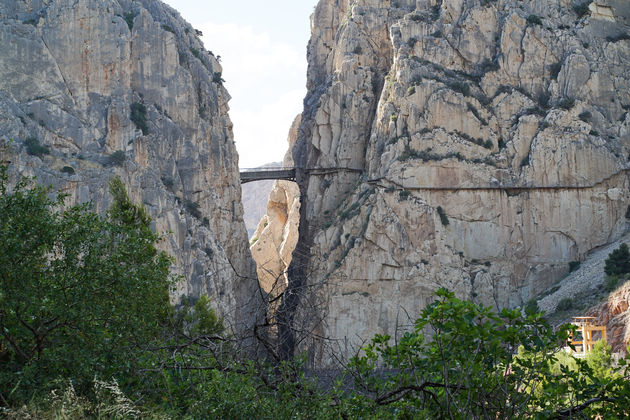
86,331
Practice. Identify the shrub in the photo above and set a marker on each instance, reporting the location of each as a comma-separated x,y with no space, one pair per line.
216,78
618,261
129,18
581,9
195,52
610,283
574,265
619,37
193,208
117,158
139,116
416,17
404,194
488,144
565,304
437,34
490,65
554,70
543,99
534,20
443,216
168,181
168,28
566,103
461,87
594,133
585,116
35,148
68,170
525,161
531,307
411,42
358,49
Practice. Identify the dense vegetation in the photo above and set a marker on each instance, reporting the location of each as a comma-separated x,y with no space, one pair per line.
87,331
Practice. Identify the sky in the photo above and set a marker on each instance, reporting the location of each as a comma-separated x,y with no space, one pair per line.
262,45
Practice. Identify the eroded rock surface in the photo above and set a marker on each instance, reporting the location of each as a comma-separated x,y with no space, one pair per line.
70,74
475,145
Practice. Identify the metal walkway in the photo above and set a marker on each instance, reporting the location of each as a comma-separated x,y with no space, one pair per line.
287,173
259,174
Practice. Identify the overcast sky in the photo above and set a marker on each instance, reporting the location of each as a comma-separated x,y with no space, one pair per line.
262,44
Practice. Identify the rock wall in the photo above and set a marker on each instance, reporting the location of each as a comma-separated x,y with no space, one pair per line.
474,145
71,72
276,235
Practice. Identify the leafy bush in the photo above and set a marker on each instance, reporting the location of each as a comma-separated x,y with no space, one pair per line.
488,144
471,366
618,261
168,181
531,307
554,70
193,208
565,304
619,37
581,9
461,87
534,20
64,307
35,148
585,116
195,52
525,161
404,194
129,18
611,283
216,78
566,103
68,170
168,28
443,216
117,158
574,265
139,116
358,49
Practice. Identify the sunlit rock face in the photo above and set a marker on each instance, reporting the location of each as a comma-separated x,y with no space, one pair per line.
483,146
70,73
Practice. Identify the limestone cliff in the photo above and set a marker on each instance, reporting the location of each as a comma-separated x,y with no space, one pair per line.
276,235
121,87
478,145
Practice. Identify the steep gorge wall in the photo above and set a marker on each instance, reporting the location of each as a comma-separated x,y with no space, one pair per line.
69,73
477,145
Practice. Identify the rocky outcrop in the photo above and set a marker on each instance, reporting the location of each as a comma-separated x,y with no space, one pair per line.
120,87
275,237
614,313
475,145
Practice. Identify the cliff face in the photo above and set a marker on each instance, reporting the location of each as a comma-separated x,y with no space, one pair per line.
116,87
475,145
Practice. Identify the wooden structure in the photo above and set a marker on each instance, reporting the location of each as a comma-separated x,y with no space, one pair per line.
586,327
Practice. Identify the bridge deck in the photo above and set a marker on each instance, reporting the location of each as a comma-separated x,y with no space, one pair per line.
260,174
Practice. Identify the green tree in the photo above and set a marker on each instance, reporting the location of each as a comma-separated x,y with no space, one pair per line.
79,294
470,368
618,261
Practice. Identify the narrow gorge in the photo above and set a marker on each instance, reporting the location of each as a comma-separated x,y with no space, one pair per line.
476,145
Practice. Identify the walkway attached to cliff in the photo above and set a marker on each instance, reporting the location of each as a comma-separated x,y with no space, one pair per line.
259,174
285,173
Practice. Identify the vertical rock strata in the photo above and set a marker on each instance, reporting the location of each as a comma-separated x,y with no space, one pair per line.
474,145
118,87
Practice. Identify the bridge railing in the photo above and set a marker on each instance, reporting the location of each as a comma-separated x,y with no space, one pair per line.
267,169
